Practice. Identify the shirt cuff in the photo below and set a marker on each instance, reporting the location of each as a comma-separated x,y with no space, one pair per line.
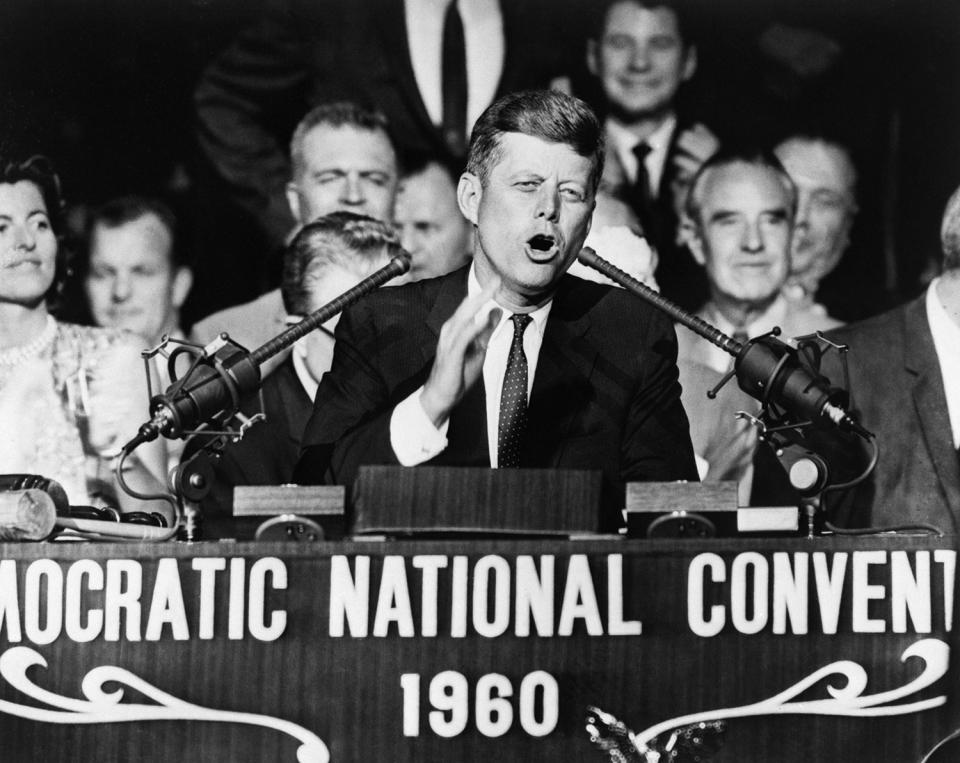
413,436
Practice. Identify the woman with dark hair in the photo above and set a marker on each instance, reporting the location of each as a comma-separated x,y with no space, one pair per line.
70,396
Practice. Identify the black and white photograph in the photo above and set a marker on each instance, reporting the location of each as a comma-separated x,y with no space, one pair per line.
458,380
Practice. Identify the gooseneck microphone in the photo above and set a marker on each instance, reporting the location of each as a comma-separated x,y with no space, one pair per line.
217,383
766,368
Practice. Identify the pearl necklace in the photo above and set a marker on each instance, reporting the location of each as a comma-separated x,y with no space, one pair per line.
16,355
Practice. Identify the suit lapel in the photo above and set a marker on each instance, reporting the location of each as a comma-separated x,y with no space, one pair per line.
920,360
561,388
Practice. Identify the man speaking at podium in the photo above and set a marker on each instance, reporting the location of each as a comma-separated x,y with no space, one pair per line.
510,362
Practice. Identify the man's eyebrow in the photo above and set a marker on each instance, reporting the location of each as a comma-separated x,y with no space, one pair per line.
722,214
776,211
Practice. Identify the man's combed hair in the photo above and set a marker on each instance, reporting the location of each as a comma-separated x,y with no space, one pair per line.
336,114
127,209
546,114
686,16
823,141
413,163
343,240
737,154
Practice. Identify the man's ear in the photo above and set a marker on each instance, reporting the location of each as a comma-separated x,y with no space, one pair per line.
690,235
593,57
690,63
293,201
469,193
182,281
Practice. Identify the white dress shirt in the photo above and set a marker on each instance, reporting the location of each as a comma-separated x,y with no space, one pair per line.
946,341
413,436
307,381
485,48
622,143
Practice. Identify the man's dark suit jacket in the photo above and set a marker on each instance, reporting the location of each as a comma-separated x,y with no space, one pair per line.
679,276
605,395
306,52
266,455
898,393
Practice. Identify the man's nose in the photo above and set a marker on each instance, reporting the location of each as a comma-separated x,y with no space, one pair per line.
803,211
121,288
410,238
352,192
548,202
640,58
752,240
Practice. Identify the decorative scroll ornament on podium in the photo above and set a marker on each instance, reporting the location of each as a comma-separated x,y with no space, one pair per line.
100,706
696,736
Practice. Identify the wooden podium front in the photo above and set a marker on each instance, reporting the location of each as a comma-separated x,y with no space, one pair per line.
828,649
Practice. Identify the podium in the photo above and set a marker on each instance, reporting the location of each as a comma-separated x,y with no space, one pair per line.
457,649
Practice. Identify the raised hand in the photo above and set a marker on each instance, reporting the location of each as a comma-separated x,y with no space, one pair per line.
460,354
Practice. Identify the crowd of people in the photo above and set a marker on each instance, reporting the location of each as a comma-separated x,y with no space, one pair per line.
443,129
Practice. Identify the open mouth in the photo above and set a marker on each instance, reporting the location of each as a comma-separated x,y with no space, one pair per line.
542,244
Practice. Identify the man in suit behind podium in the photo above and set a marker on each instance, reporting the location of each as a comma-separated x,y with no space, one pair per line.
509,363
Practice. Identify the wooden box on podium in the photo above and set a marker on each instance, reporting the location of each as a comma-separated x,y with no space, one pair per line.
701,510
399,501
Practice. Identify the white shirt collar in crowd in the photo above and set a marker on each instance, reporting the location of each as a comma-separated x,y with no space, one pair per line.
622,142
946,341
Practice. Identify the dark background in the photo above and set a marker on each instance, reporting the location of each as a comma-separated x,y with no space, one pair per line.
104,88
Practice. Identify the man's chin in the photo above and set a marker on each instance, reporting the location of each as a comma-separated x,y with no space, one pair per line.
634,109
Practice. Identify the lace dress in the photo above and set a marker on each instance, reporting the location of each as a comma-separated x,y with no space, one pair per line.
69,400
